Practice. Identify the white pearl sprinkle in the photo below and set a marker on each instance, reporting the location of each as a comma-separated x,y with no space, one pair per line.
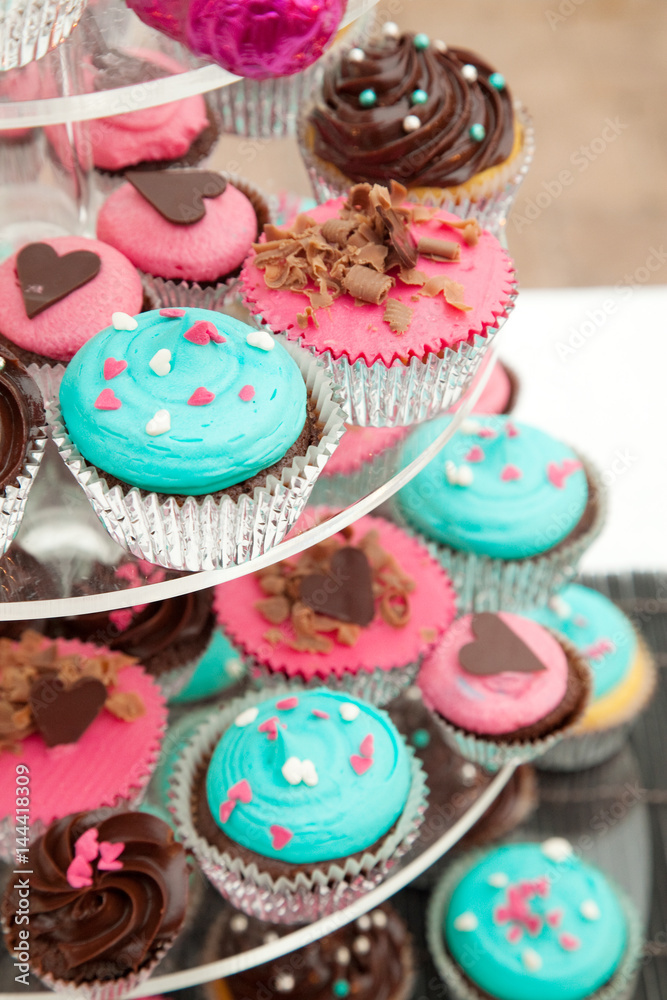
285,982
160,363
379,918
469,73
356,55
466,922
498,880
465,475
122,321
361,945
261,339
411,123
557,849
468,773
590,910
364,923
531,960
391,30
239,923
343,956
439,46
270,936
234,666
159,424
413,693
349,711
560,607
245,718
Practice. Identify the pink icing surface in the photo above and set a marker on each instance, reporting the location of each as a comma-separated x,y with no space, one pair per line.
485,271
380,646
495,394
500,703
165,132
111,761
204,251
359,445
64,327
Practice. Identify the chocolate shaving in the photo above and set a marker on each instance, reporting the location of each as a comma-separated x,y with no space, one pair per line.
451,290
397,315
367,285
413,277
470,228
400,237
337,231
428,246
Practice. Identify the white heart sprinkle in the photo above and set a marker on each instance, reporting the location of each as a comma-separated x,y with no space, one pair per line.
295,771
461,476
122,321
531,960
261,339
245,718
470,427
348,711
159,424
498,880
590,910
309,774
466,921
160,363
557,849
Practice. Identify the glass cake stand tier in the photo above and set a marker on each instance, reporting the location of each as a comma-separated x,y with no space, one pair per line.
105,25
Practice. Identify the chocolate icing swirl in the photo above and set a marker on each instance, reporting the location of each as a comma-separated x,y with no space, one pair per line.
21,412
116,925
370,144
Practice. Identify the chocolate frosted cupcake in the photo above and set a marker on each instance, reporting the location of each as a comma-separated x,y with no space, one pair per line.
23,436
439,120
369,959
108,896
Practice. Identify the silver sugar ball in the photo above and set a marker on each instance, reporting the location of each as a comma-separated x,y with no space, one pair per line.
469,73
391,30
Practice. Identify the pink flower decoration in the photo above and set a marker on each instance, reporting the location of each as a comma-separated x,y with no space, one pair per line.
360,764
281,837
107,401
247,393
109,854
113,367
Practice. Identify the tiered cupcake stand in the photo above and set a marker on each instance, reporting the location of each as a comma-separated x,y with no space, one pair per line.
64,541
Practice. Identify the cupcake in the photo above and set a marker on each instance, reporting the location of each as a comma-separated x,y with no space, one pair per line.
29,29
196,438
56,294
502,688
23,431
399,301
108,896
369,959
623,673
86,724
219,671
364,460
20,148
511,509
500,393
528,920
294,823
437,119
187,231
357,611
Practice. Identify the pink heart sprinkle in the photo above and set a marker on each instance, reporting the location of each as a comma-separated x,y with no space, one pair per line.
287,703
366,749
79,873
241,791
247,393
157,576
569,942
360,764
86,845
113,367
475,454
121,619
226,810
172,313
511,430
319,714
486,432
129,572
270,727
108,856
200,332
107,401
557,474
138,608
514,934
510,472
201,397
146,567
554,918
216,337
281,837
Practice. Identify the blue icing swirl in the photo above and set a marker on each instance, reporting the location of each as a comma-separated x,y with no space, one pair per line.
568,960
220,667
598,629
208,447
501,518
334,811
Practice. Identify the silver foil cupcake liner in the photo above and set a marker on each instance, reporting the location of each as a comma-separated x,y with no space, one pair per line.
485,584
31,28
377,687
211,532
340,490
588,748
493,753
307,896
490,209
106,989
14,496
620,987
48,379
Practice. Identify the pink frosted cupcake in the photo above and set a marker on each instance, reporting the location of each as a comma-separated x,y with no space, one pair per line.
187,232
58,293
85,724
357,611
500,393
399,301
365,458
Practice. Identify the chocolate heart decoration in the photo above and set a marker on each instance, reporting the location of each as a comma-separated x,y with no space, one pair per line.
63,714
177,194
45,278
346,592
497,649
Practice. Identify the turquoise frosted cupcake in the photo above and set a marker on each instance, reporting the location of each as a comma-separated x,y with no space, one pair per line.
532,920
295,804
219,670
511,509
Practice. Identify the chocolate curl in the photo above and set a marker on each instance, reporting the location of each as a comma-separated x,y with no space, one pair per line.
397,315
336,231
454,293
397,193
372,254
367,285
395,607
428,246
400,237
470,229
413,277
